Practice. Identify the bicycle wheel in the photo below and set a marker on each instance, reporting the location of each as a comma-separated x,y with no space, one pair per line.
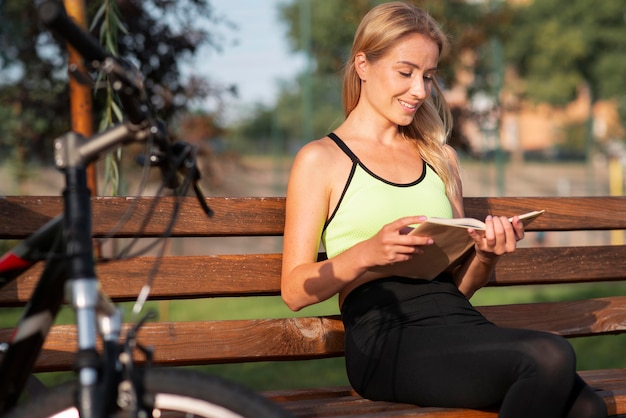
172,393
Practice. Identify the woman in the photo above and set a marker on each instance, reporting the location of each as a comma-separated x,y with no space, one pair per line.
357,190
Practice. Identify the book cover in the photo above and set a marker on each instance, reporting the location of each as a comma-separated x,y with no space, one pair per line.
451,244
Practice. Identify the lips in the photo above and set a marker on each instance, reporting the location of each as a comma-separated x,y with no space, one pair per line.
407,105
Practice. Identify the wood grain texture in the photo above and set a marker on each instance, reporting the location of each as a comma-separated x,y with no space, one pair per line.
258,216
344,402
211,342
259,274
244,275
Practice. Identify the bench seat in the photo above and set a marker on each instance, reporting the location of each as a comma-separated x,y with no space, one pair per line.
242,274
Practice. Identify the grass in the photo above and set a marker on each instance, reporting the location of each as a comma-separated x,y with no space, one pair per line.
592,352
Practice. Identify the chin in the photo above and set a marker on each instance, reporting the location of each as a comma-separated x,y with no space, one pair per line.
404,122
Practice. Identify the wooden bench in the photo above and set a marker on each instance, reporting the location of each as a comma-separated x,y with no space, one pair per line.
246,275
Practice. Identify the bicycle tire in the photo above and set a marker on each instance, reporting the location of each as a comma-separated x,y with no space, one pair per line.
173,392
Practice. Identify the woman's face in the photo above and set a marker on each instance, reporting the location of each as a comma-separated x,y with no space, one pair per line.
397,84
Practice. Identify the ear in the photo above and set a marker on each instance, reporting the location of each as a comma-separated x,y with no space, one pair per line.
360,65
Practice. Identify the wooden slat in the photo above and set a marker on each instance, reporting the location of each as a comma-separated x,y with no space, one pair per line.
355,406
334,401
570,319
208,342
259,274
605,379
610,384
566,265
368,409
233,216
255,216
177,277
562,213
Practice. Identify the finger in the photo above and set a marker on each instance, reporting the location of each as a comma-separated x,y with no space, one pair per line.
409,220
404,225
518,227
414,240
490,230
509,236
504,238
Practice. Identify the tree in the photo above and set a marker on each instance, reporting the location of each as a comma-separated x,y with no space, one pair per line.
33,92
560,45
333,23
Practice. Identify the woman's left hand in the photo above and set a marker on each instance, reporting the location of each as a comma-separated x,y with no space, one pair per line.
499,237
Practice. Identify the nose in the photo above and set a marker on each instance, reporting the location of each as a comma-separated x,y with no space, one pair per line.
419,88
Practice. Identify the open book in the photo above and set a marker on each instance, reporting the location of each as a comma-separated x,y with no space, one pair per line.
451,244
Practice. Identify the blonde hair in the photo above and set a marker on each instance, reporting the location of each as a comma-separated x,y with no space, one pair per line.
381,29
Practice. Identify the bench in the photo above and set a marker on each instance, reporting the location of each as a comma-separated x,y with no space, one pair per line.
258,274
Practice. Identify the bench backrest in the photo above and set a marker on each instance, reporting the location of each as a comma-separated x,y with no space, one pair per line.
241,275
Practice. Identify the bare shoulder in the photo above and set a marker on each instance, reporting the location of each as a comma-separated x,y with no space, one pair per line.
319,148
321,153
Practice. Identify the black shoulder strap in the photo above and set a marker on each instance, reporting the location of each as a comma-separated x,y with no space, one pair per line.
343,147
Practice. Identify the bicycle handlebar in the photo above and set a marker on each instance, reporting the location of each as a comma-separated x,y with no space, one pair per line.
128,82
53,15
130,89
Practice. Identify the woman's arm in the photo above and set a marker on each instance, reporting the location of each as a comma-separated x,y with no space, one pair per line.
319,171
305,281
500,237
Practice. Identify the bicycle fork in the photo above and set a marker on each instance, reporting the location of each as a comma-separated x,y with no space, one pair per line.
97,375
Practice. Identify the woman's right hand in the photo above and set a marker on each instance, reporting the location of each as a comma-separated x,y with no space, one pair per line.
392,244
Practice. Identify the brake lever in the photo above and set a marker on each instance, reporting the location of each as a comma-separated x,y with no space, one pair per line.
158,159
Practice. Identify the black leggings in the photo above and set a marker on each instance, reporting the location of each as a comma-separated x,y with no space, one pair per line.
422,342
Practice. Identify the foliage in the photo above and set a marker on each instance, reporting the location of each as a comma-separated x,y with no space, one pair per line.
561,44
555,47
109,15
333,24
33,82
332,27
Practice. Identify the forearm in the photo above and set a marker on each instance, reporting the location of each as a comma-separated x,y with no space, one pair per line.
474,273
310,283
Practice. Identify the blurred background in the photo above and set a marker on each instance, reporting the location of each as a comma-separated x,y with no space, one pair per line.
537,88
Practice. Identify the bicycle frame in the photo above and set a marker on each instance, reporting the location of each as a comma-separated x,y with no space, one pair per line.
67,241
19,356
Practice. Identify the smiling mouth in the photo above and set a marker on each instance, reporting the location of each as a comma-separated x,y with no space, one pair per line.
408,105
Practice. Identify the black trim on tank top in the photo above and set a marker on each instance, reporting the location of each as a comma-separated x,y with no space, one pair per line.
343,147
356,160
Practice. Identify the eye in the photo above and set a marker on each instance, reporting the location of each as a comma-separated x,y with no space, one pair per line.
406,75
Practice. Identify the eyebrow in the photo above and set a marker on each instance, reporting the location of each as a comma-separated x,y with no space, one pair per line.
411,64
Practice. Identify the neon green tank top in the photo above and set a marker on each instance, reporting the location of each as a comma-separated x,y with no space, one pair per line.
369,202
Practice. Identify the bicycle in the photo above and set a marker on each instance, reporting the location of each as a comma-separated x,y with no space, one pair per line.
108,382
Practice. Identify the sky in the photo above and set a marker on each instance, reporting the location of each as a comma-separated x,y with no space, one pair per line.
259,58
